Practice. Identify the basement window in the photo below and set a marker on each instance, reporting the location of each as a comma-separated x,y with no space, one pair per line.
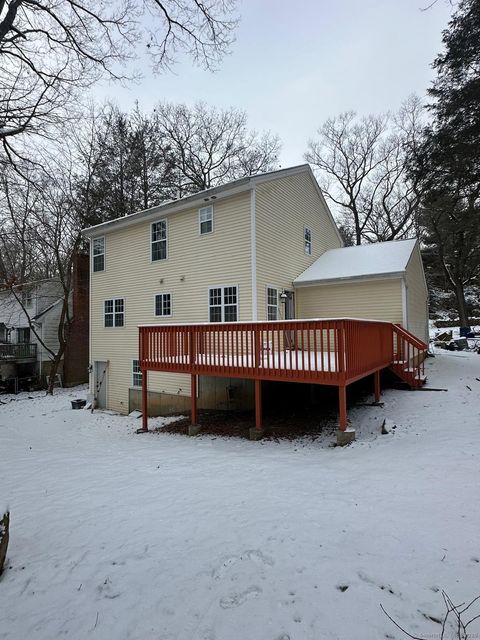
136,374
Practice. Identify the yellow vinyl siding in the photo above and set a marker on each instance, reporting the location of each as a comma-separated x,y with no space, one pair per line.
371,300
195,262
283,208
417,297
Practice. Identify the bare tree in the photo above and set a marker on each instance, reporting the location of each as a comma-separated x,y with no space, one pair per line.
362,168
52,49
208,147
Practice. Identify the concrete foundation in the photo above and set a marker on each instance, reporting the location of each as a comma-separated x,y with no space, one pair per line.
213,393
256,434
194,429
345,437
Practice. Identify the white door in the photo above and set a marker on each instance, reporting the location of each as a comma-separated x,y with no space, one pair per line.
100,390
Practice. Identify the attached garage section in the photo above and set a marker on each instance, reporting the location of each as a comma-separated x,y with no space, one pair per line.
383,281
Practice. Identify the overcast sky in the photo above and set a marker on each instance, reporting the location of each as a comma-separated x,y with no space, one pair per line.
296,63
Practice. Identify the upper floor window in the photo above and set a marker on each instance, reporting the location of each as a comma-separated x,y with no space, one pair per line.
272,303
27,298
159,240
114,312
223,304
205,219
163,304
307,239
136,374
99,254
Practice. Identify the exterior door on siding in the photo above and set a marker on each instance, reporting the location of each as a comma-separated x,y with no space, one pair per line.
289,315
290,305
101,384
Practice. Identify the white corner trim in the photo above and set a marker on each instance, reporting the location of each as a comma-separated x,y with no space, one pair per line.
253,247
404,304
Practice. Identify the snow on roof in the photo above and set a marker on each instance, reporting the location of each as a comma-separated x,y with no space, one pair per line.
377,259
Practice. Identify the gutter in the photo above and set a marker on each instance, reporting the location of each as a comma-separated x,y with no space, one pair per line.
365,278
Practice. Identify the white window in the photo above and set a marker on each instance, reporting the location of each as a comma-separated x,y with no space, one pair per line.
307,237
159,240
114,312
27,298
136,374
272,303
223,304
163,304
205,220
98,254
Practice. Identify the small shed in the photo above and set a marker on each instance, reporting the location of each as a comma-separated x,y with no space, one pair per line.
379,281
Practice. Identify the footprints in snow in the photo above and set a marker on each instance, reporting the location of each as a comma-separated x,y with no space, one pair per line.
234,600
256,556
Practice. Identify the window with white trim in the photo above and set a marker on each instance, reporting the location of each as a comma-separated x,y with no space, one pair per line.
163,304
136,374
159,240
272,303
223,304
205,220
114,312
98,250
27,298
307,241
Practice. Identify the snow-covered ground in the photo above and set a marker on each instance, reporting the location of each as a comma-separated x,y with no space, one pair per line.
163,537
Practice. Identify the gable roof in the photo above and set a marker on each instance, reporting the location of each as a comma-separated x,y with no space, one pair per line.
208,195
364,261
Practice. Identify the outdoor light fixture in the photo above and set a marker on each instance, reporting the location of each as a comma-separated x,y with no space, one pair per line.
283,296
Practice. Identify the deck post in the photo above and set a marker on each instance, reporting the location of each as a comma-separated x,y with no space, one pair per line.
144,400
342,402
193,428
193,391
344,435
377,385
257,433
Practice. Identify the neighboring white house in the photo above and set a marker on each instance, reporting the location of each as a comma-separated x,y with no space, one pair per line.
246,251
21,353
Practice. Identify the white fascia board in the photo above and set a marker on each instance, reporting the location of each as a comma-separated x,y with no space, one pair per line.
348,279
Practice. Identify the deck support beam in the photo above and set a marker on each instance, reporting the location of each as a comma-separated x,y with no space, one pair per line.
193,391
342,408
258,405
144,400
258,432
377,385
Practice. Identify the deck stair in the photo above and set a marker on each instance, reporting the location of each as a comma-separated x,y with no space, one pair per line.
409,355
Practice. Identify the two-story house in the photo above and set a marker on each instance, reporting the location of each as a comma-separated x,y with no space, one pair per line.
248,251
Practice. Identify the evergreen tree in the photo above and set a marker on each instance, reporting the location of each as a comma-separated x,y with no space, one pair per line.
447,163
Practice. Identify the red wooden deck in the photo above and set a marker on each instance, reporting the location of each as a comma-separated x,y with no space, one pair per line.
329,352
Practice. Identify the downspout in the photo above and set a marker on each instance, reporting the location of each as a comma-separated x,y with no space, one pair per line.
405,304
253,250
91,373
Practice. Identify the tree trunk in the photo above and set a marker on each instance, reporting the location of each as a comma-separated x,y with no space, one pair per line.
461,305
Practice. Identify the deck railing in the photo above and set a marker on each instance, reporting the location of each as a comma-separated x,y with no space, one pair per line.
320,351
20,351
